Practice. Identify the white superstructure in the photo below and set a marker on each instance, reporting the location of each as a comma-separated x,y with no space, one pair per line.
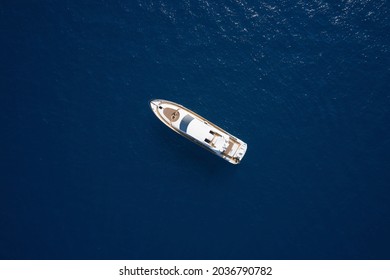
199,130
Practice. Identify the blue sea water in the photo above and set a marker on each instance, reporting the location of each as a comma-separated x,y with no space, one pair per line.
88,171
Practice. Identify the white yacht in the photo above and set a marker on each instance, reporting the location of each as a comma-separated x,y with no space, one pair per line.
199,130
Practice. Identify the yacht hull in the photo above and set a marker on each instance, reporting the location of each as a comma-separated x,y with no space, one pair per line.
199,130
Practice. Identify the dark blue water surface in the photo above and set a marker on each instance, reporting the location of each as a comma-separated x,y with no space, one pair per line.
88,171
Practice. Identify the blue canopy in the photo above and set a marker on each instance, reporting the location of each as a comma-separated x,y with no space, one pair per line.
185,122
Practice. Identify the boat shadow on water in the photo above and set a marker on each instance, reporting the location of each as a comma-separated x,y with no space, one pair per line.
184,156
193,157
